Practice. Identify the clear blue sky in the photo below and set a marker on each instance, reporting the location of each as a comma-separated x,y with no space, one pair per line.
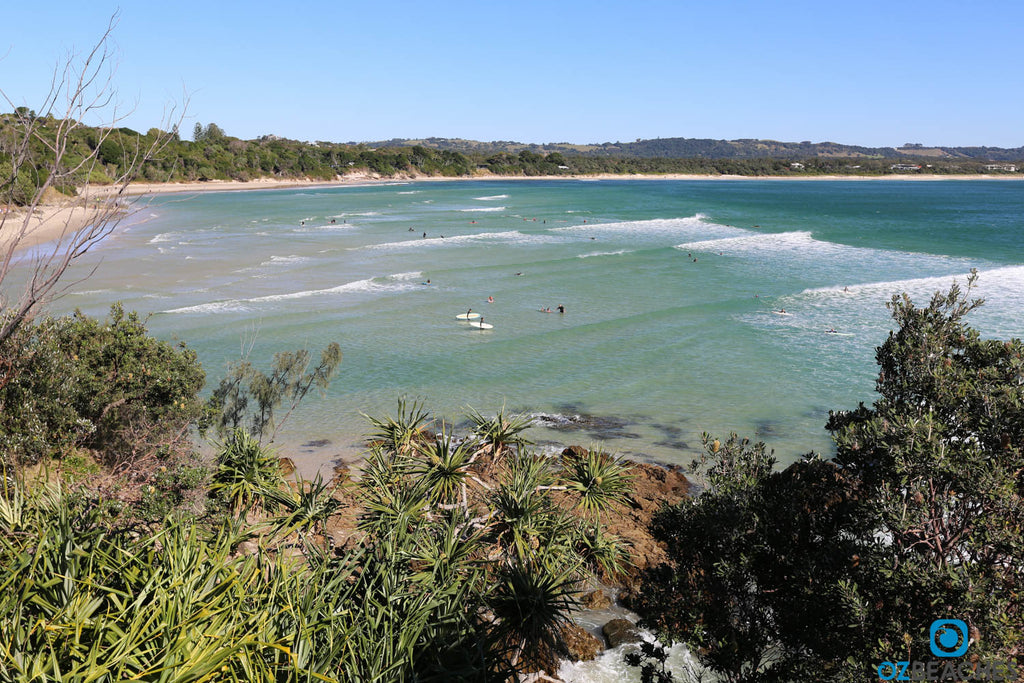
878,73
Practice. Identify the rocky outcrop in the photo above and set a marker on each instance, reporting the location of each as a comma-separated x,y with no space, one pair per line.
578,645
619,631
286,466
653,487
597,599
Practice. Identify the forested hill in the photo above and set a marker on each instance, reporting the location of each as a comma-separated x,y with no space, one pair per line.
100,156
688,148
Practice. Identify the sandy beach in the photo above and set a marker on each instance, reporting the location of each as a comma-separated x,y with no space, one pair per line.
47,223
137,189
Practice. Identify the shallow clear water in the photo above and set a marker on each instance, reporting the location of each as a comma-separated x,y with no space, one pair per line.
668,287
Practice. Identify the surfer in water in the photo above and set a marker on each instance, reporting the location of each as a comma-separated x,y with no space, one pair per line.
490,299
561,308
468,313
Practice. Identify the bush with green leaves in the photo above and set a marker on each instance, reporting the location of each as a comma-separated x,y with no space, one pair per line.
828,568
103,385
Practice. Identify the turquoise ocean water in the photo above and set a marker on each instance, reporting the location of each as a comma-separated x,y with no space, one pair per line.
668,288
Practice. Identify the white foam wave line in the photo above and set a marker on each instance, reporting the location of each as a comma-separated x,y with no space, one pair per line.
224,306
284,260
1005,281
165,237
606,253
510,236
410,192
393,283
411,275
802,244
396,282
336,227
654,226
489,209
491,198
794,239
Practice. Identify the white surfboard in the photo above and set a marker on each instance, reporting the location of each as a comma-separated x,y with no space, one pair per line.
467,316
482,326
781,313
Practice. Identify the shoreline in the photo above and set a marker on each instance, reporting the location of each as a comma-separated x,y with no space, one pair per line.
53,221
356,180
48,223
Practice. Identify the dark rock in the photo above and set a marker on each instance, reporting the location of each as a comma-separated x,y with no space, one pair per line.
619,631
582,646
596,600
572,454
575,643
316,443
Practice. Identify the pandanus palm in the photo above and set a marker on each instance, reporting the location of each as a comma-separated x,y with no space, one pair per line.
245,470
399,435
444,467
599,480
531,603
308,506
502,431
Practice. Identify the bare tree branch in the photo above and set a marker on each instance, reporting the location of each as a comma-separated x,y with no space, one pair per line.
80,89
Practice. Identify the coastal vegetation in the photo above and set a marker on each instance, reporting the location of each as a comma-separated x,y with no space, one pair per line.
828,568
104,156
125,553
464,560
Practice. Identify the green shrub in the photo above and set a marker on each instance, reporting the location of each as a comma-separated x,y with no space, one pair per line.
107,386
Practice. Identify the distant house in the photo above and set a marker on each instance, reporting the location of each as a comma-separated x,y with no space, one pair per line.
1009,168
905,167
564,168
796,165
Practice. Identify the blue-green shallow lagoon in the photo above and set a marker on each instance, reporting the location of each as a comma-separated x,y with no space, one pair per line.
668,286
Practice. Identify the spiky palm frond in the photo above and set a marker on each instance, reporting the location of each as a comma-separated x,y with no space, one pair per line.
398,435
600,550
525,522
531,603
599,480
501,431
308,506
246,469
444,467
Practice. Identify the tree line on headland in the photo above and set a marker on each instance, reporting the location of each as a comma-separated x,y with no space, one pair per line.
212,154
